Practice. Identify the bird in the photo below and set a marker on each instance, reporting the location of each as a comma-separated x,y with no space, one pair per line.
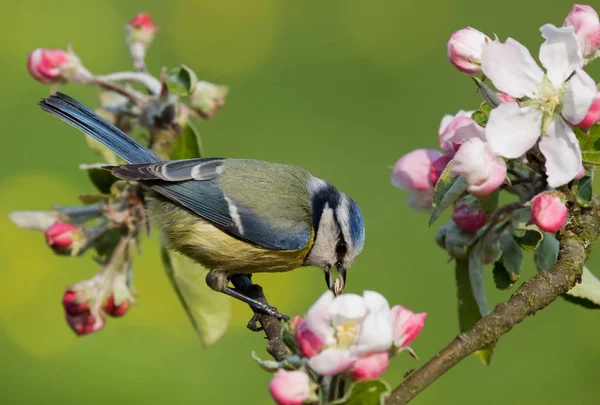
233,216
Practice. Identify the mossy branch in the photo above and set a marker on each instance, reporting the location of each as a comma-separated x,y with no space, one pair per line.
580,232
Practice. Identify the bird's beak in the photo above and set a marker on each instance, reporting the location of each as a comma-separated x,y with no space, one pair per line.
335,284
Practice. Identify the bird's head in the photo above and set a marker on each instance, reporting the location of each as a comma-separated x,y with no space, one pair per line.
339,233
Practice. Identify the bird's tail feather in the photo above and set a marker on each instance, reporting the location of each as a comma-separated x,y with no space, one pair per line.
76,114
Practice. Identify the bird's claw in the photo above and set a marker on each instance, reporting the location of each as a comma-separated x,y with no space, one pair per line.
264,309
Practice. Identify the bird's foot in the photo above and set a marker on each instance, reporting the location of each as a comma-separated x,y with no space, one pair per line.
252,294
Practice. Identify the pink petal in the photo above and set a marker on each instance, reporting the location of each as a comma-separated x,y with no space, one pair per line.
412,171
578,97
370,367
548,212
290,387
406,325
318,318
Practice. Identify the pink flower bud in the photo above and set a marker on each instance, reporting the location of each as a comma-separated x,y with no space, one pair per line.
548,212
60,236
464,49
478,164
406,325
45,65
457,130
290,387
505,98
370,367
116,310
581,173
592,116
73,304
85,323
413,170
144,21
584,21
308,343
468,218
437,168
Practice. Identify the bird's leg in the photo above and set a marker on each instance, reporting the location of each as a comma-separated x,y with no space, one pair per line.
252,295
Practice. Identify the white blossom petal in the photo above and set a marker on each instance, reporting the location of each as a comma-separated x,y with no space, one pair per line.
511,130
375,302
512,68
560,53
578,97
318,318
348,308
331,361
561,150
375,334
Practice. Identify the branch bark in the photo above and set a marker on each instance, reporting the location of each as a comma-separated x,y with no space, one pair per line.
579,234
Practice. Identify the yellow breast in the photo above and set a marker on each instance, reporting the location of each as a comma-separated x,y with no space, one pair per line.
215,249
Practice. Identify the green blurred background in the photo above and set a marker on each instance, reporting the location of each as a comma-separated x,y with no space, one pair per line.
343,88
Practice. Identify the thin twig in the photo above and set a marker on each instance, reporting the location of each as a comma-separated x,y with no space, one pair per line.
135,97
581,231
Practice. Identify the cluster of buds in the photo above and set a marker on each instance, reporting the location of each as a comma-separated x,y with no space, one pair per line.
348,334
112,221
112,228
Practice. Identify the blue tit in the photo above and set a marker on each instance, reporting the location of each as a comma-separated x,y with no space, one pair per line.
233,216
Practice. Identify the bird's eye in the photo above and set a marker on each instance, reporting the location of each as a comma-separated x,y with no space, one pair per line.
341,248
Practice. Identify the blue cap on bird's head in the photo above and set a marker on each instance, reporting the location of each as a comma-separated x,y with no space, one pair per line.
340,232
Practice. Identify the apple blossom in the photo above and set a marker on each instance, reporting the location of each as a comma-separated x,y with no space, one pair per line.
59,236
114,310
370,367
417,172
584,21
308,343
468,218
460,124
351,326
548,212
464,49
477,163
406,326
592,116
45,65
513,128
291,387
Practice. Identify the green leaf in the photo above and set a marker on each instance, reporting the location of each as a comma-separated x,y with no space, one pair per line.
468,311
530,240
546,253
520,218
584,191
370,392
502,278
106,244
590,144
101,179
208,310
586,293
182,81
448,189
512,256
476,259
488,94
481,116
187,145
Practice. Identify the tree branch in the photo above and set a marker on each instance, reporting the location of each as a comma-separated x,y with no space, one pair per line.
579,234
269,324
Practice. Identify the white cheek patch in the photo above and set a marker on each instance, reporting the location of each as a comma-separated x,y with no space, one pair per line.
343,216
323,251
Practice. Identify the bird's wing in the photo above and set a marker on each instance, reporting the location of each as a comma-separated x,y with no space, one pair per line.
257,202
172,170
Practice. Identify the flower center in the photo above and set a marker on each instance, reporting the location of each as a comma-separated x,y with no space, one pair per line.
548,100
347,334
